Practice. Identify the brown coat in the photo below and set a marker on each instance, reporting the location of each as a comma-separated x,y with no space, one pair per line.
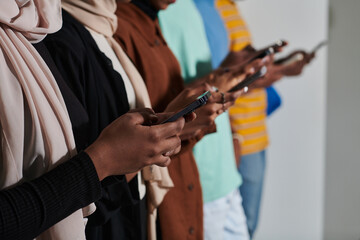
181,213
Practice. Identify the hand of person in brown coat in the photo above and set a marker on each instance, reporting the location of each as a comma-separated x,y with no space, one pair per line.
205,115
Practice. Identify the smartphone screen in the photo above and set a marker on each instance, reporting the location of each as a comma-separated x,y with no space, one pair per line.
247,81
200,101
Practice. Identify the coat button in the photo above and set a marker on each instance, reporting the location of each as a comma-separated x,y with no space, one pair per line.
191,230
191,187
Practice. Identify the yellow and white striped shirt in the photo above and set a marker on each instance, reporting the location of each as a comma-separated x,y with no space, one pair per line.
248,115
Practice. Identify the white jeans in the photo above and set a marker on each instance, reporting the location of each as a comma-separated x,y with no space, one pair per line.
224,218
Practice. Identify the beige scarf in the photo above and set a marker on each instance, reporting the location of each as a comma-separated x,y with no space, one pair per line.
36,133
99,15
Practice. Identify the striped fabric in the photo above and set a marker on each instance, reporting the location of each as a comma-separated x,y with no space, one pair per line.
248,115
238,32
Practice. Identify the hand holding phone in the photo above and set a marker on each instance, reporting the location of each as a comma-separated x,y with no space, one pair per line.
200,101
259,74
274,48
319,46
301,54
262,54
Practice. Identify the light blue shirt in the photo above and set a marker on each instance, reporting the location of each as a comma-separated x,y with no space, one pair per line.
183,29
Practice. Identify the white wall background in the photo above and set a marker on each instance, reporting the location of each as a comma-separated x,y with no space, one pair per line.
294,185
342,205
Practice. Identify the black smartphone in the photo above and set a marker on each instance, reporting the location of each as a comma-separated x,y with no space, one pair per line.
299,56
262,54
247,81
200,101
269,50
278,44
320,45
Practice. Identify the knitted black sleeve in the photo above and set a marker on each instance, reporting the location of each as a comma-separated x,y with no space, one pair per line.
30,208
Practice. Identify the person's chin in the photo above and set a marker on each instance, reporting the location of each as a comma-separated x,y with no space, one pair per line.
165,5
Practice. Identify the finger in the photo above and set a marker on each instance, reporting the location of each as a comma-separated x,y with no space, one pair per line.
199,89
162,161
149,116
299,51
177,150
256,65
168,146
190,117
163,116
169,129
191,92
278,48
230,97
142,110
310,57
192,133
169,153
206,86
215,97
210,109
240,77
228,105
135,118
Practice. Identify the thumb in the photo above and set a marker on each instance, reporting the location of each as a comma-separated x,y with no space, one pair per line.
143,118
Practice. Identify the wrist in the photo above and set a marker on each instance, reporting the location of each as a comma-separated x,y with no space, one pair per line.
238,137
97,156
277,70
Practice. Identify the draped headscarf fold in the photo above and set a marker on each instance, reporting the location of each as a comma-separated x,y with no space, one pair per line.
36,133
99,16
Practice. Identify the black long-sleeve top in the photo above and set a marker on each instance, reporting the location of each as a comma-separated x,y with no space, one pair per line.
100,90
29,209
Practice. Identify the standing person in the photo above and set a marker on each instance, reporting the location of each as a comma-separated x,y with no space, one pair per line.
107,85
248,115
139,35
36,131
180,214
199,50
36,135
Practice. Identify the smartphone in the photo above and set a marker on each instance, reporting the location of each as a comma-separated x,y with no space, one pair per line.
249,79
200,101
300,56
262,54
320,45
269,50
278,44
297,57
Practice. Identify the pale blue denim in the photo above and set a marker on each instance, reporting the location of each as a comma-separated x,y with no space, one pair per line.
252,170
224,218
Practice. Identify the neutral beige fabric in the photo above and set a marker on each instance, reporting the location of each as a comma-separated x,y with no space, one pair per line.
99,15
35,128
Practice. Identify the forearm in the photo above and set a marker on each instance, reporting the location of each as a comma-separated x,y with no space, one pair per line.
30,208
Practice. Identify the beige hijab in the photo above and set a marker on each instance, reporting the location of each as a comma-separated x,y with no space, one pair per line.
35,129
99,15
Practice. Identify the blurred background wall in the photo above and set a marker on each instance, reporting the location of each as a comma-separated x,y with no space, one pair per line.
342,194
312,185
294,184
